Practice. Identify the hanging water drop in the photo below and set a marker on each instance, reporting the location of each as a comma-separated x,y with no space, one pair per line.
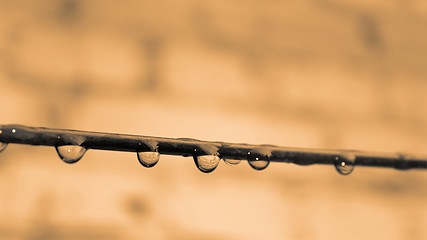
2,146
258,164
207,163
70,153
345,163
258,159
148,159
232,161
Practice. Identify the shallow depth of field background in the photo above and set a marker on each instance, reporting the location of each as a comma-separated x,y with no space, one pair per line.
312,73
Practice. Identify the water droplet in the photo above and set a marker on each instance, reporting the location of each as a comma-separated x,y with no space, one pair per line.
148,159
207,163
14,130
344,163
258,159
232,161
70,153
259,164
2,146
1,131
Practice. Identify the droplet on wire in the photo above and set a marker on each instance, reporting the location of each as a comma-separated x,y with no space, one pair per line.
70,153
259,164
232,161
207,163
345,163
259,159
148,159
2,146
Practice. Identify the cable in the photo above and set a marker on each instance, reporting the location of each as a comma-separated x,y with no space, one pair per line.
72,144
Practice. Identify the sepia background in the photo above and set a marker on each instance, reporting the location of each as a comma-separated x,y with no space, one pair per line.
311,73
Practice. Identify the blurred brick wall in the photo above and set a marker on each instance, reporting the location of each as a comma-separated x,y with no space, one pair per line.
328,74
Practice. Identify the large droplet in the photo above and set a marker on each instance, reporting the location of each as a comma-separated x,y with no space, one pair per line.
2,146
232,161
258,160
148,159
345,163
207,163
70,153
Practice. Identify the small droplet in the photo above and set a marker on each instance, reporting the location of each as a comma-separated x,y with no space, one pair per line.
207,163
1,131
14,130
344,163
70,153
2,146
259,164
232,161
148,159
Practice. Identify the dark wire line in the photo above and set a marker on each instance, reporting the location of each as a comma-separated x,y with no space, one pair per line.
192,147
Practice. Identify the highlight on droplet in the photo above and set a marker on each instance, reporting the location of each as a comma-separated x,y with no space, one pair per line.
207,163
344,163
148,159
70,153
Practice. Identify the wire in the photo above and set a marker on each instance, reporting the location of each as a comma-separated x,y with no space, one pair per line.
206,153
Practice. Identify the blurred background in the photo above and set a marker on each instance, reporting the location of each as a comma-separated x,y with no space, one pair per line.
310,73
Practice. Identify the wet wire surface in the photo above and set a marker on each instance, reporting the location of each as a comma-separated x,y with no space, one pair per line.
71,145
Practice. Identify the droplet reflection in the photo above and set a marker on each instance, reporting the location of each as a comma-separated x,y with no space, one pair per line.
70,153
259,160
259,164
345,163
207,163
2,146
232,161
148,159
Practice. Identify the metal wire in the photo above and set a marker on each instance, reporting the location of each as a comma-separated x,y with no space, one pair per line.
192,147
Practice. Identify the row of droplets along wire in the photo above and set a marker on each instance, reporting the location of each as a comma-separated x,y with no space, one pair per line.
71,145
